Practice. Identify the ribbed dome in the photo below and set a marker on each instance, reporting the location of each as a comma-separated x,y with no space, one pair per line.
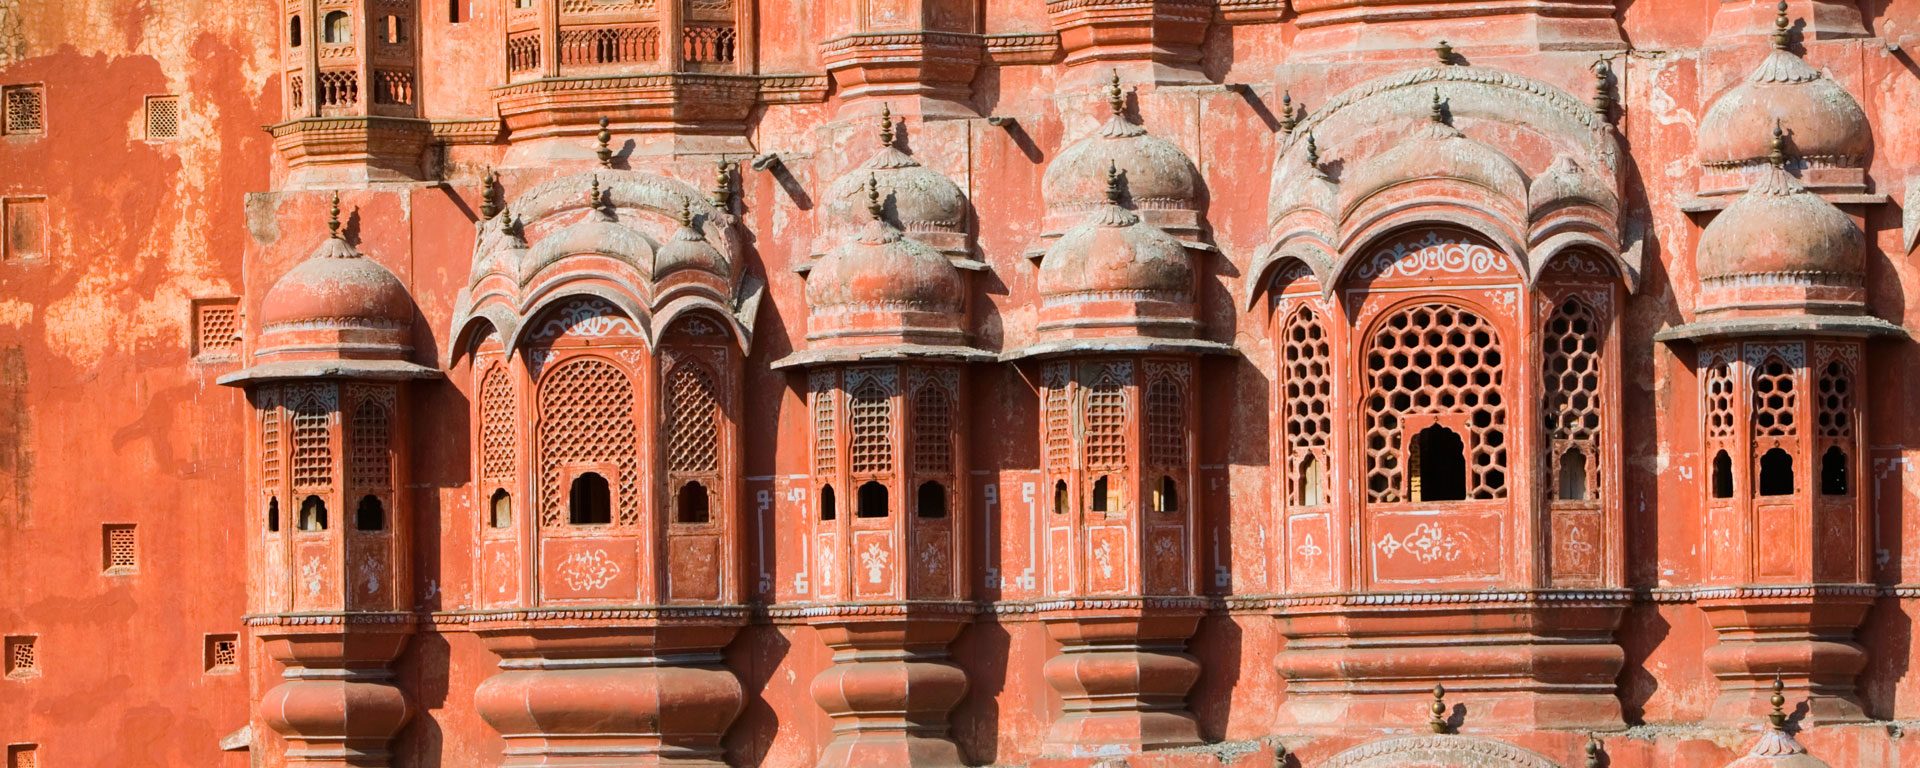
600,234
1159,175
1436,151
688,249
924,202
1567,181
1115,253
336,286
1827,124
884,269
1780,228
1303,186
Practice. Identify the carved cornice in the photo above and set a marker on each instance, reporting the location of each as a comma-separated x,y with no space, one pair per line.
793,89
468,130
1251,11
331,619
1179,603
663,614
1542,598
932,609
1022,48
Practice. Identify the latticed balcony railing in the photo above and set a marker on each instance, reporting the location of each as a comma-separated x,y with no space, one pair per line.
585,38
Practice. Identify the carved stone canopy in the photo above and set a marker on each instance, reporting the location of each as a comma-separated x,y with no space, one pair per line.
1438,751
1828,130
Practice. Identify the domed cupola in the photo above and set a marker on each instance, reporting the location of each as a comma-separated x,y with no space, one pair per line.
1777,748
1437,150
1780,249
928,205
600,234
689,250
883,293
1830,133
1162,183
337,313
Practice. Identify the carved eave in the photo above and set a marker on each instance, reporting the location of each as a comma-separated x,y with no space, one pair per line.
1252,11
354,148
1118,345
363,370
678,101
1167,32
1719,202
884,352
468,131
909,65
1844,326
1022,48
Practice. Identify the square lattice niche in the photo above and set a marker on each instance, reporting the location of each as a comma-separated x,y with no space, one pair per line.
23,656
222,654
23,756
216,328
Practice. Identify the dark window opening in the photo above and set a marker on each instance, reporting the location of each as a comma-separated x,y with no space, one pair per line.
1100,501
1437,462
293,32
590,502
273,515
335,28
1722,476
1059,497
1776,473
371,515
501,513
872,501
1573,475
396,29
1833,472
1166,497
457,11
693,506
933,500
1309,494
827,511
313,514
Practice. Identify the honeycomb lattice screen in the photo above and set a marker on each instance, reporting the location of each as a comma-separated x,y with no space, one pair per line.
122,549
163,118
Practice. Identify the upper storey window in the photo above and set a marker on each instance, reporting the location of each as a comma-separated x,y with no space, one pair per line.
337,28
1438,370
613,37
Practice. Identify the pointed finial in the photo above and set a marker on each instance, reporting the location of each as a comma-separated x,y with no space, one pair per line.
1444,51
1777,149
1437,110
594,198
508,223
605,151
886,125
489,195
333,217
1116,99
1602,88
1313,152
723,185
1288,118
1113,182
875,207
686,214
1778,717
1595,751
1437,711
1782,27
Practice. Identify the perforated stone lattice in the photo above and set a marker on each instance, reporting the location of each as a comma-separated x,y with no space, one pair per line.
1307,393
1104,416
498,445
369,466
1835,418
23,659
1166,423
217,328
825,451
870,414
1436,359
932,428
1719,391
23,756
163,117
312,454
122,554
269,444
586,416
24,106
1570,368
693,414
1059,416
1774,399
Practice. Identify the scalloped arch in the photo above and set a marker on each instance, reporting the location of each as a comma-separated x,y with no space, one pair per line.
1438,751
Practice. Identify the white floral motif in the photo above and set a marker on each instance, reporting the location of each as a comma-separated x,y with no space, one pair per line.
1432,253
1103,554
1426,543
826,568
1308,549
933,558
875,561
583,570
585,318
310,575
370,574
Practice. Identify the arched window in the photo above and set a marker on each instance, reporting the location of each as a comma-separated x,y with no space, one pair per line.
500,509
313,514
1308,482
870,414
273,515
827,512
1166,496
371,515
1573,475
1099,500
1776,473
293,32
590,501
932,427
692,506
337,28
499,425
1436,359
872,501
1833,472
1059,497
1437,464
586,418
932,504
1722,476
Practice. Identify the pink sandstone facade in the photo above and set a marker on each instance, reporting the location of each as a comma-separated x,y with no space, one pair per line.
1333,383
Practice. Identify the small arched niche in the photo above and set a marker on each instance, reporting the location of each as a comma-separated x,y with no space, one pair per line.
1835,477
1722,475
1437,465
827,508
872,501
1776,473
313,514
500,509
370,515
692,504
932,501
589,500
337,28
273,515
